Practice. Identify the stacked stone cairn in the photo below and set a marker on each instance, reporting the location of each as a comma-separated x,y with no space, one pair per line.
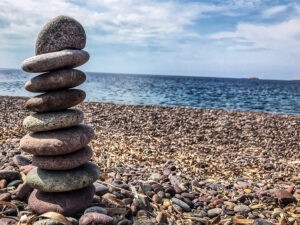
62,177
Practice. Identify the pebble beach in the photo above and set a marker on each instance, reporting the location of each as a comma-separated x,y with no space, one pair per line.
172,165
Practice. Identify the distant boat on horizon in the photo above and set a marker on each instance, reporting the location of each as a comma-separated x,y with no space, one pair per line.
253,78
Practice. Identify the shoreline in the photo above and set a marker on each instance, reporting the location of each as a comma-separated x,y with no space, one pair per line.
223,158
171,106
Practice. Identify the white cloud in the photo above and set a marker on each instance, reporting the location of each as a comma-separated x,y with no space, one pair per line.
273,11
106,20
284,36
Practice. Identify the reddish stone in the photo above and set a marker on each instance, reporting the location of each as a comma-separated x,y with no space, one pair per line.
5,197
3,183
63,162
57,142
55,100
284,196
95,218
23,191
66,203
26,169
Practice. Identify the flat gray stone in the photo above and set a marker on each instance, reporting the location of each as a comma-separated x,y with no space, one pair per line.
53,120
63,162
57,142
65,180
62,32
182,204
66,203
55,60
55,100
56,80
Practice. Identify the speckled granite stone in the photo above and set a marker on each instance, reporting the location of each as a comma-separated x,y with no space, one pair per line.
62,32
53,120
63,180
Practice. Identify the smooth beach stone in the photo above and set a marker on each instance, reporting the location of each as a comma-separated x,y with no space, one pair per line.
95,218
64,180
55,60
55,100
60,33
53,120
55,80
63,162
57,142
66,203
72,221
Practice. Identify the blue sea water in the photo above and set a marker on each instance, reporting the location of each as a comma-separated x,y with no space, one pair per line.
274,96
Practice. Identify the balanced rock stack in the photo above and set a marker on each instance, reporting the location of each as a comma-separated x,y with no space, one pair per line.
63,178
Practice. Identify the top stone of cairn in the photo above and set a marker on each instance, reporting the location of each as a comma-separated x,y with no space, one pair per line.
62,32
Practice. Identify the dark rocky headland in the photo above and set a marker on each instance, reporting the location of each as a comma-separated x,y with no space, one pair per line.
171,165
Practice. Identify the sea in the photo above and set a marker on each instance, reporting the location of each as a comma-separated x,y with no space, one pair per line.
275,96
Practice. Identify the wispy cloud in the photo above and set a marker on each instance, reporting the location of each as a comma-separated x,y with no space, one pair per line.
273,11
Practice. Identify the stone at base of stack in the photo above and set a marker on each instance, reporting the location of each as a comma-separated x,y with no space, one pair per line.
63,177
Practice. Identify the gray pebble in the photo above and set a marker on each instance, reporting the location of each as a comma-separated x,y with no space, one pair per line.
14,183
182,204
242,208
214,212
262,222
96,209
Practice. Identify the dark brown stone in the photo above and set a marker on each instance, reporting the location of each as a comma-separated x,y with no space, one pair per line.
67,203
23,191
55,100
20,160
55,60
284,196
5,197
9,175
60,33
63,162
56,80
57,142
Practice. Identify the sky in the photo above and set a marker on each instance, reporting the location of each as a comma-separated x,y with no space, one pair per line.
214,38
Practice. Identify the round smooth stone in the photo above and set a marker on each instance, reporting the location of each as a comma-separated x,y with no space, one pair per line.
60,33
96,218
55,100
53,120
66,203
56,80
65,180
57,142
63,162
55,60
